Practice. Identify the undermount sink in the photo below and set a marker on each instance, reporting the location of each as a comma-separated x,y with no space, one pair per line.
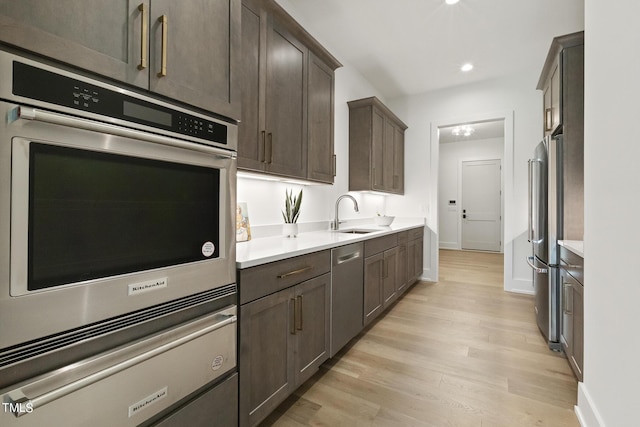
356,231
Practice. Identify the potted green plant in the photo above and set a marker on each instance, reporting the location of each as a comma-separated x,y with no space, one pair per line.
291,213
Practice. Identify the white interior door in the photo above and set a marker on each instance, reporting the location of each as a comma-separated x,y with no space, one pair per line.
481,205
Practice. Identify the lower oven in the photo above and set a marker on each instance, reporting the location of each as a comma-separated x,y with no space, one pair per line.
116,238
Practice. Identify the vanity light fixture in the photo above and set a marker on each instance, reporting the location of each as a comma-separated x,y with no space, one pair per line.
467,67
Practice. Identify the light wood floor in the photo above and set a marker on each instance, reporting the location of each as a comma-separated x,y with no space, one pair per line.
460,352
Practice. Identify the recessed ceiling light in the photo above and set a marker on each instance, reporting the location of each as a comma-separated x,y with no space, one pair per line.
467,67
451,1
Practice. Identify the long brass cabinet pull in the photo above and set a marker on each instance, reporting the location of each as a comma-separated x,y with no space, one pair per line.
264,146
269,159
143,36
291,273
335,167
292,320
299,312
163,57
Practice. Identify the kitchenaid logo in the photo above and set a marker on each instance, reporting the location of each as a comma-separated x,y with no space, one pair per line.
147,401
17,408
151,285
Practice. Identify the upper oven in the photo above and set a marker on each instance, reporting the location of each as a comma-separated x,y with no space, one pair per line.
111,202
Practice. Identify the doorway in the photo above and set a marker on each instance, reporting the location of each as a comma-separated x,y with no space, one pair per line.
470,206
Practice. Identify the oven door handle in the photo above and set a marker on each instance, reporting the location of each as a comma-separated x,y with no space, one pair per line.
64,381
29,113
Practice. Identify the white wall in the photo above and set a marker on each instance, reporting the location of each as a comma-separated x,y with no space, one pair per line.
513,97
609,394
449,186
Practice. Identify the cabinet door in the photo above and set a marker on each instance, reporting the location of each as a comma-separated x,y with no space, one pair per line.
320,120
566,330
388,155
312,326
372,287
398,161
390,276
286,112
266,349
104,37
555,98
377,151
195,53
251,134
578,329
419,258
403,263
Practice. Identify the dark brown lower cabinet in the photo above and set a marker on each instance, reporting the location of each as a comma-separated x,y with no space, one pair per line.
415,263
572,334
284,338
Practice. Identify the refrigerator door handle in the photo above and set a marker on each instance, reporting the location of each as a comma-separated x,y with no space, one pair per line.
536,269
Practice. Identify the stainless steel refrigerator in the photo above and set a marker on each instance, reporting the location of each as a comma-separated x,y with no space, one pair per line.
545,229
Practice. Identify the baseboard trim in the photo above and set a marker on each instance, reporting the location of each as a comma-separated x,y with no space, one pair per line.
586,410
449,245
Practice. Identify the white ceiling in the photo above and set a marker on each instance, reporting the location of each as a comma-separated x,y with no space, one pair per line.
404,47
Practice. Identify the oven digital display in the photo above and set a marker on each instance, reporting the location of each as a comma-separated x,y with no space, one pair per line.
141,112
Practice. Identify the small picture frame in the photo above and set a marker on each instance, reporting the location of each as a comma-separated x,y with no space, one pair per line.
243,228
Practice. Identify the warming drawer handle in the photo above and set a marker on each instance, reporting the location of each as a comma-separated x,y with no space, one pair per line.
28,113
62,388
291,273
536,269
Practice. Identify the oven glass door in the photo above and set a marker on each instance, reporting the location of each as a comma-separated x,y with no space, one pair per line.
94,214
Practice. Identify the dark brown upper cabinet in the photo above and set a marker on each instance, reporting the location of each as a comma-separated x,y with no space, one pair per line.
187,51
287,82
376,147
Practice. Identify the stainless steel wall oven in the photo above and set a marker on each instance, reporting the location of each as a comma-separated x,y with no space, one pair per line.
116,240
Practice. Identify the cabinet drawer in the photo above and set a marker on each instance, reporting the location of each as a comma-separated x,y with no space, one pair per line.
574,264
403,237
262,280
416,233
380,244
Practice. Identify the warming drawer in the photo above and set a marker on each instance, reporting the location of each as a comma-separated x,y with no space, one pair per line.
130,384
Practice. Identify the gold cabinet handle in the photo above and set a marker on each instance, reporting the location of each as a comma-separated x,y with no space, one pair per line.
163,57
264,147
299,313
335,167
143,36
270,157
291,273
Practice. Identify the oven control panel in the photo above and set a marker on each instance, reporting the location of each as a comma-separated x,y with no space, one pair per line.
47,86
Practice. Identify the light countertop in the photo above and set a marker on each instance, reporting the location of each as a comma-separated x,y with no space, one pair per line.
575,246
268,249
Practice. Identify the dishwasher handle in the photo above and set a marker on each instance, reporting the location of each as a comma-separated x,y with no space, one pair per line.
348,257
106,365
536,269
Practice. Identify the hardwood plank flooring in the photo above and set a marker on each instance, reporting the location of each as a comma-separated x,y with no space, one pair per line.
459,352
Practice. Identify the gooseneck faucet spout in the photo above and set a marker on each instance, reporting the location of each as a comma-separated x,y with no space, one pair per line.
335,224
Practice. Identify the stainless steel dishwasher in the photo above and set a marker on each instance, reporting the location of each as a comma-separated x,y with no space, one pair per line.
347,290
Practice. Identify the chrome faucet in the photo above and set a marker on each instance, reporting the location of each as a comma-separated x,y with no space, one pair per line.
335,224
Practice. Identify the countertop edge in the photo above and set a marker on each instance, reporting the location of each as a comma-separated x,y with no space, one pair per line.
345,239
575,246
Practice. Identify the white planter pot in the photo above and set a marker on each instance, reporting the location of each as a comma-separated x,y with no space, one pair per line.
290,230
